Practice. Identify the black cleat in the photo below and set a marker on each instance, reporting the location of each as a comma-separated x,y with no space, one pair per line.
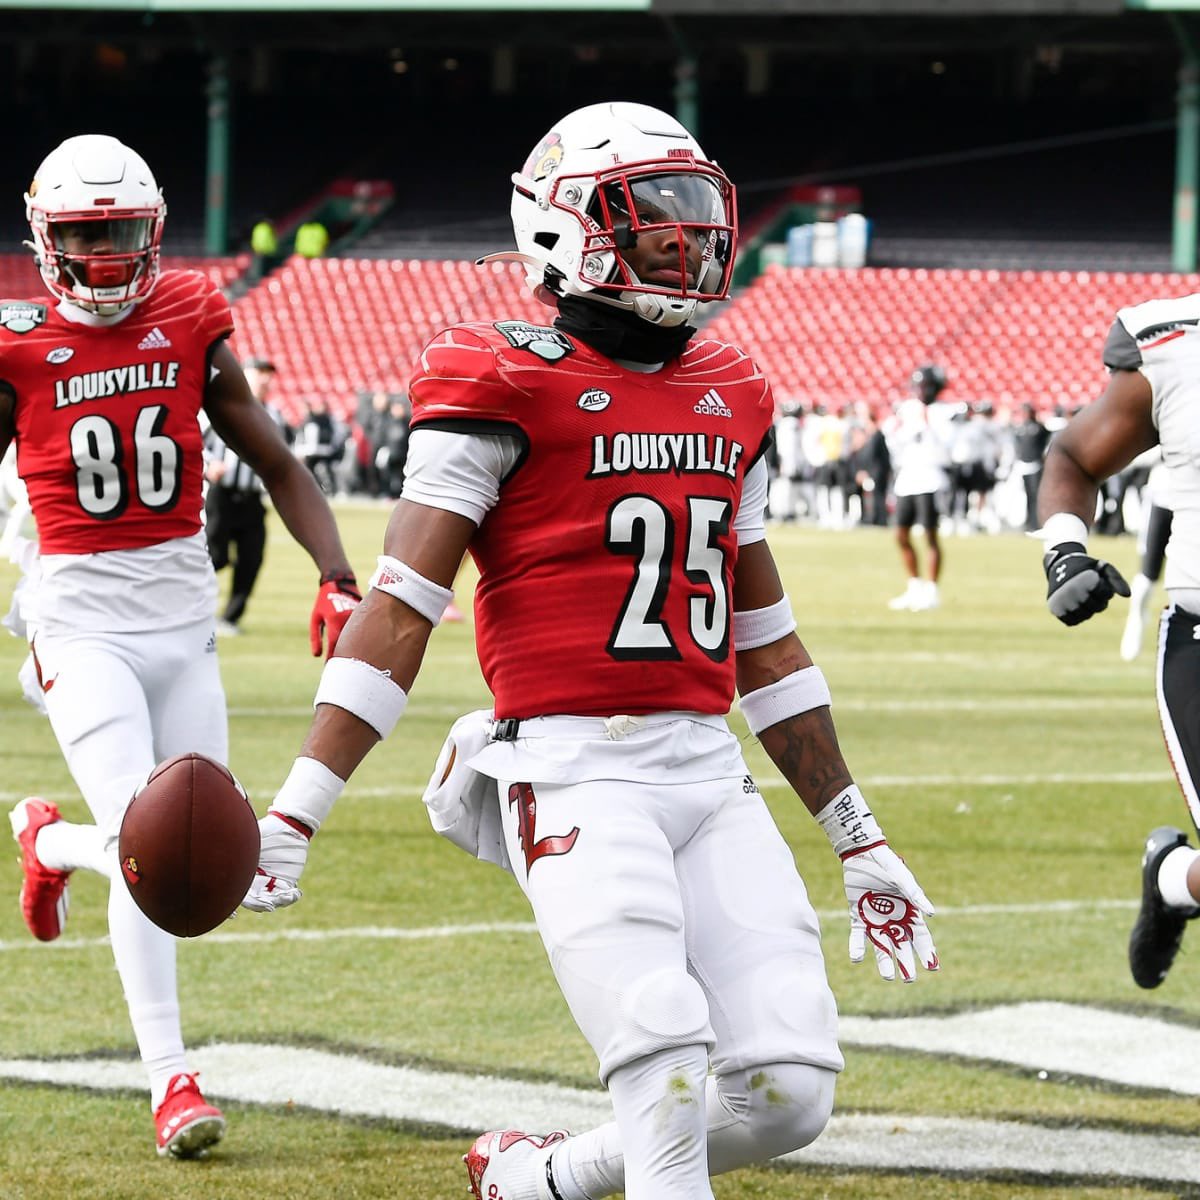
1158,930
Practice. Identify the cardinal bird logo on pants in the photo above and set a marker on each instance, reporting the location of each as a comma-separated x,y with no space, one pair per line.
522,795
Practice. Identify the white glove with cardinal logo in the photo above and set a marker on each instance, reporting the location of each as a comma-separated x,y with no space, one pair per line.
887,905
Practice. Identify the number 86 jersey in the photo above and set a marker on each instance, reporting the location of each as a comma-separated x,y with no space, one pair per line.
606,565
107,437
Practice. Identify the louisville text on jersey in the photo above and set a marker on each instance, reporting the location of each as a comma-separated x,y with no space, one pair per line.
682,453
115,381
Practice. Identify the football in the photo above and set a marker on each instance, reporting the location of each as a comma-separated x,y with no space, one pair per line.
188,846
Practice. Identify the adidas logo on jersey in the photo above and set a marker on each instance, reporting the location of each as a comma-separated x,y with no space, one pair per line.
711,405
154,340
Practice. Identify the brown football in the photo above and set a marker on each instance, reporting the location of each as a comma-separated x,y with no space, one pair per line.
189,845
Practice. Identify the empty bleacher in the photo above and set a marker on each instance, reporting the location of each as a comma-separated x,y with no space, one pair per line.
338,326
834,337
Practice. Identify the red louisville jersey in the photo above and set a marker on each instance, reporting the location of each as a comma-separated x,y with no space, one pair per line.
108,441
606,567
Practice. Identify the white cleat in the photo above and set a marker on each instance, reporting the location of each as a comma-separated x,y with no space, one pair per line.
506,1164
907,600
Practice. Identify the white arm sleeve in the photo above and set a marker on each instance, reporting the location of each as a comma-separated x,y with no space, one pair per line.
459,472
748,523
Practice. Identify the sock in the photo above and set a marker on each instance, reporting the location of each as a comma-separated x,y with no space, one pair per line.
1172,878
65,846
657,1147
1140,588
145,958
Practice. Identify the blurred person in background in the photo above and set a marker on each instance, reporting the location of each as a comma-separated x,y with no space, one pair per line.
791,489
395,445
1030,439
1153,355
320,438
235,519
972,469
873,465
1154,531
607,474
919,438
375,417
264,246
312,240
101,391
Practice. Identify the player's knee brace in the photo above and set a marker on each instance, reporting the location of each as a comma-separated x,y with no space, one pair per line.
765,1111
662,1009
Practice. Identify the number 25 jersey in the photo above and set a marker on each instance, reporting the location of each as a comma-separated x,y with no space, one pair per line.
606,566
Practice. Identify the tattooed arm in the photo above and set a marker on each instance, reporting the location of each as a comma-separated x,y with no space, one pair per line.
785,700
804,747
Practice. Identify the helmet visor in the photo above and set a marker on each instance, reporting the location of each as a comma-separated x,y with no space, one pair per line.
672,199
694,208
100,235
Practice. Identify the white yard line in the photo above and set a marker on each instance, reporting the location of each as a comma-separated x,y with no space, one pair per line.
350,1086
234,936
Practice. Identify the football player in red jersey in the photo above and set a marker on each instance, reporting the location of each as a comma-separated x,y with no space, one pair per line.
606,472
101,390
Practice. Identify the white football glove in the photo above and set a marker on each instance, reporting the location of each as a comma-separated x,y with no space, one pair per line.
888,908
281,858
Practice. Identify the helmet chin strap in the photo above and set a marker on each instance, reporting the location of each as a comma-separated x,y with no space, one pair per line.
663,311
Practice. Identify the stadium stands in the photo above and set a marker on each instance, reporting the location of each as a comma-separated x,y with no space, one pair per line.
339,326
834,337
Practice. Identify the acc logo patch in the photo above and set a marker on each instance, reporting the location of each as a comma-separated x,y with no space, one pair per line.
594,400
60,354
541,340
129,868
19,316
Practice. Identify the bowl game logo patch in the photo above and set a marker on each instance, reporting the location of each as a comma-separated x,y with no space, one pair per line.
20,316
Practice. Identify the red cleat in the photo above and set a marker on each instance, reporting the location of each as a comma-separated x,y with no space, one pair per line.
44,890
186,1124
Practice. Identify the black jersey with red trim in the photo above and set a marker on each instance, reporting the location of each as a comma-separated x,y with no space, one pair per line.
606,566
107,436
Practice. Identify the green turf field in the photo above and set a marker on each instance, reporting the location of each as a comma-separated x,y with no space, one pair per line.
356,1040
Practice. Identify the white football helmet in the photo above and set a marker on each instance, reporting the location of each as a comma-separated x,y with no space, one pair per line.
97,219
604,175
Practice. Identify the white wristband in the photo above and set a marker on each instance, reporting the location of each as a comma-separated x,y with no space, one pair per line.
849,824
308,792
786,697
366,691
762,626
1063,527
420,594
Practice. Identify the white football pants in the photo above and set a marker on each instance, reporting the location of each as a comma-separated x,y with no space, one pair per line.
119,703
675,920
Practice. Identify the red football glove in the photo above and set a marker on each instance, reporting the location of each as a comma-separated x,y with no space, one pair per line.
337,599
